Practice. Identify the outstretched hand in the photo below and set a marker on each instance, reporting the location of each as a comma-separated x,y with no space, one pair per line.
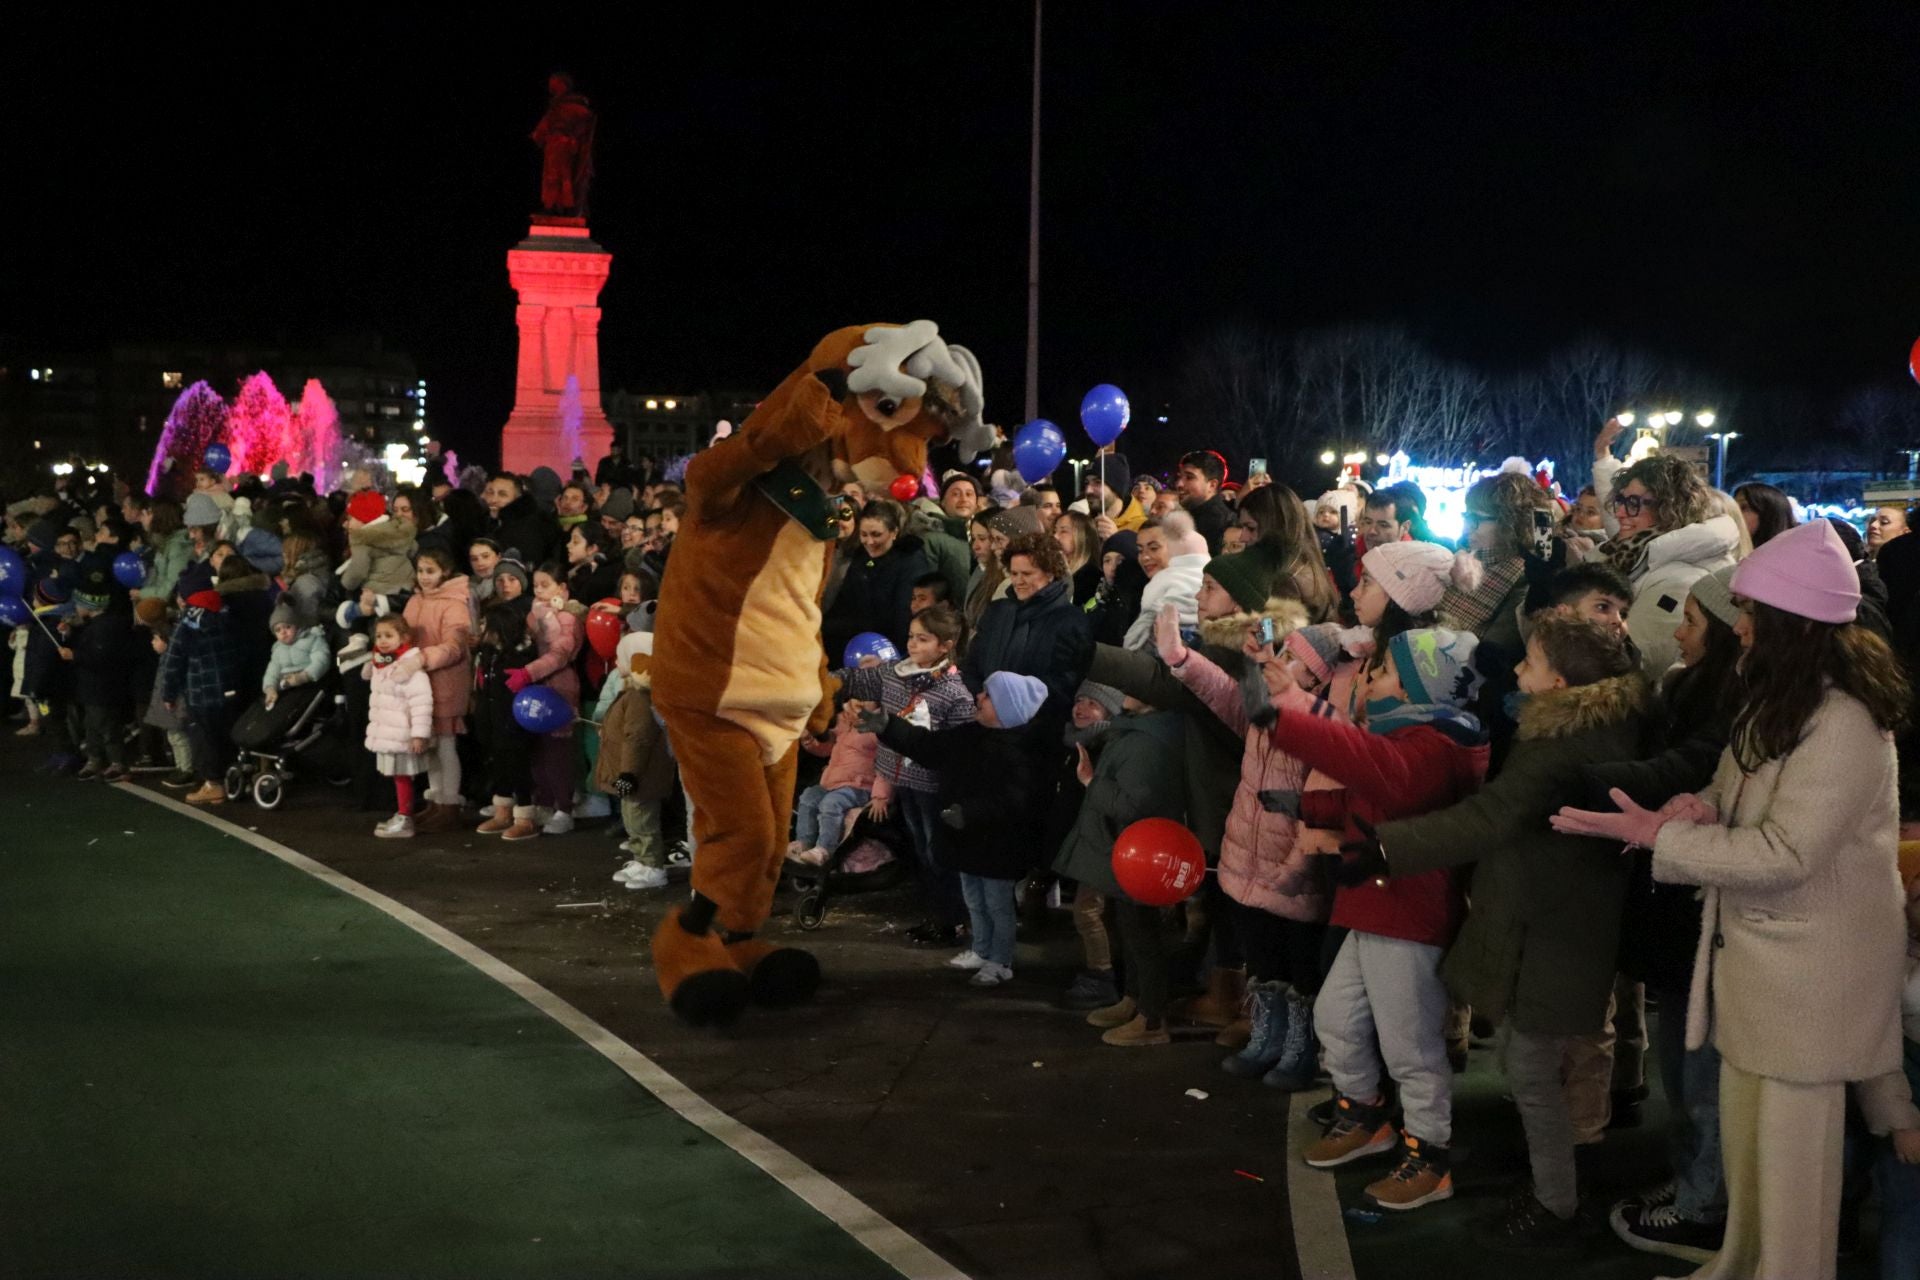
1166,636
1633,826
869,718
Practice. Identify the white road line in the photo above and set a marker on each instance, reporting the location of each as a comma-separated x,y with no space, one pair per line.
1319,1232
889,1243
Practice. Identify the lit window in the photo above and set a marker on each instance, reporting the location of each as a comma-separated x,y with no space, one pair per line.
673,404
653,404
35,375
172,381
389,410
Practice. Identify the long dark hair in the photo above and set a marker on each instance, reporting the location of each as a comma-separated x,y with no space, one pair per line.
1774,509
1791,662
1276,509
1699,691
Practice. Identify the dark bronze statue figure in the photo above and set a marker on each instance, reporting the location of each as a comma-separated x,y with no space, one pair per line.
565,137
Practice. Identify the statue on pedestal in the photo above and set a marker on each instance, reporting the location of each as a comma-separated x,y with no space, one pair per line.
565,137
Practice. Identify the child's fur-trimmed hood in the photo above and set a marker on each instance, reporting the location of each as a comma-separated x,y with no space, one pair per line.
1566,712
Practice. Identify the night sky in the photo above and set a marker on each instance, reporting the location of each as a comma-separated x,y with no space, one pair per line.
1732,189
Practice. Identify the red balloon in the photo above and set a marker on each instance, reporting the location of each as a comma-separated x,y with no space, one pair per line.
1158,862
904,488
604,630
1913,360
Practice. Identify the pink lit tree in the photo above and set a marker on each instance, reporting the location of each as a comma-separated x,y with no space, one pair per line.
197,419
319,431
260,428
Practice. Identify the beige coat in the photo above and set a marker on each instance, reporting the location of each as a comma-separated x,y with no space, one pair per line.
1803,944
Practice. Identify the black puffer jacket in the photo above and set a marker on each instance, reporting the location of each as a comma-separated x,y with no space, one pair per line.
1046,637
877,595
105,655
1660,923
998,779
523,526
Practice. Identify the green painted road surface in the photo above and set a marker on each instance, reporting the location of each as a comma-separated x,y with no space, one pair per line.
212,1064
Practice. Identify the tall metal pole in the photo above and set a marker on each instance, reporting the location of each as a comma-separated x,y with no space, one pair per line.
1033,239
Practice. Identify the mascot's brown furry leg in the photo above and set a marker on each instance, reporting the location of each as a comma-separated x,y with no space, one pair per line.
707,961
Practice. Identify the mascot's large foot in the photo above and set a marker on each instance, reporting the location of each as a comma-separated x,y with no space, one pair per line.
776,976
697,975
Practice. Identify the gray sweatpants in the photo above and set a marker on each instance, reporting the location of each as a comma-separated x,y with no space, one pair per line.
1533,1066
1389,989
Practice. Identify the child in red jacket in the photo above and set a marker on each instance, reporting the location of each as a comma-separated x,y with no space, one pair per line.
1415,749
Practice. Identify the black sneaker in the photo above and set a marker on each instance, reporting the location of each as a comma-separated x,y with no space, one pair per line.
1090,991
1663,1230
1527,1226
1321,1114
179,780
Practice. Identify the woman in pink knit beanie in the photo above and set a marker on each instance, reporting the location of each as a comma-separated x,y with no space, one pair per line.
1800,964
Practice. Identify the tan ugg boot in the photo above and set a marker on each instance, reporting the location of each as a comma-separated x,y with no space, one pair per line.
524,827
502,820
1220,1004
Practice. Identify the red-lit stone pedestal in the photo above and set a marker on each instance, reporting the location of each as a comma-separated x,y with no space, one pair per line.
558,272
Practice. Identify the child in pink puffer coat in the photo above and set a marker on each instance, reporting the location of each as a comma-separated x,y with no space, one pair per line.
557,632
1280,905
399,719
440,611
820,812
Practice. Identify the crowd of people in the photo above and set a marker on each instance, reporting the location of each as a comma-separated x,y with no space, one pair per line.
1627,748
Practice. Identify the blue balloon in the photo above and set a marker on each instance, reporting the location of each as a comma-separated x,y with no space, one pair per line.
218,457
14,611
1038,449
129,570
870,644
13,574
1104,413
538,709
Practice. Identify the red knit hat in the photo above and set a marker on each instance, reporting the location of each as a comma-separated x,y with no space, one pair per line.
366,506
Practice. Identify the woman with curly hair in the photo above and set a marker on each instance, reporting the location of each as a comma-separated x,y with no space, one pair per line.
1035,630
1670,536
1275,509
1500,532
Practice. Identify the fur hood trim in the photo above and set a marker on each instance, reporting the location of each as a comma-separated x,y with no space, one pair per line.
234,586
1230,632
1566,712
385,534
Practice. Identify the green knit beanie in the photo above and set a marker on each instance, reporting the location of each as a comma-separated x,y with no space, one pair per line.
1248,575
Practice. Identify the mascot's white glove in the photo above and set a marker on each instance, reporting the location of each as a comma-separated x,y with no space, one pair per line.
896,363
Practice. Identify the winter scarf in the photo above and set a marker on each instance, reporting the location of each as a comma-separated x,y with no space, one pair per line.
1474,610
1629,555
388,659
1462,726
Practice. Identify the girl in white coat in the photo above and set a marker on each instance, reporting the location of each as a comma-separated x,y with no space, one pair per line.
399,719
1798,975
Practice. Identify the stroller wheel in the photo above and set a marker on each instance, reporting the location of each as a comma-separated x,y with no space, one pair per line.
236,782
811,911
269,789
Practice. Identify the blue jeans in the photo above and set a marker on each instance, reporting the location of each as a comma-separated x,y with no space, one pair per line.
820,816
1691,1079
990,907
920,810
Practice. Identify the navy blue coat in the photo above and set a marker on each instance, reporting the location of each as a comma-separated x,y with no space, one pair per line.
201,669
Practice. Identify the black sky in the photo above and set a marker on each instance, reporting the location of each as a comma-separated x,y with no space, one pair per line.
1733,186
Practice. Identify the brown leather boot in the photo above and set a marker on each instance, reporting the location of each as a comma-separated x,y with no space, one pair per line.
1235,1034
501,820
1220,1004
436,817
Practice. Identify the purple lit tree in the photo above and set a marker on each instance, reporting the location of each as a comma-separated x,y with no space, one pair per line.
198,418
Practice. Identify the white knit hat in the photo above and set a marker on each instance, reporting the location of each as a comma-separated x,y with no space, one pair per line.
1415,575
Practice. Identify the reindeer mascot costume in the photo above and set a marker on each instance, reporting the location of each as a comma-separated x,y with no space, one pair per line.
738,672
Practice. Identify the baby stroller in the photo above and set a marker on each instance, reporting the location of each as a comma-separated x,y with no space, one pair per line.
868,858
297,732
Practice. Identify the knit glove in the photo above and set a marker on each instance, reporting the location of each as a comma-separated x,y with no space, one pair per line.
411,661
1358,861
1255,699
953,817
625,785
295,680
518,679
1633,826
870,719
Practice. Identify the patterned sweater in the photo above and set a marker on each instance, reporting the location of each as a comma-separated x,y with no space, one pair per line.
933,700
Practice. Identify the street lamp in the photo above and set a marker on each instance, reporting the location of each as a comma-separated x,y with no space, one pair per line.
1328,458
1720,457
1706,417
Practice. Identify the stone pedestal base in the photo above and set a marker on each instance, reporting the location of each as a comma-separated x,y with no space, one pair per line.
558,272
